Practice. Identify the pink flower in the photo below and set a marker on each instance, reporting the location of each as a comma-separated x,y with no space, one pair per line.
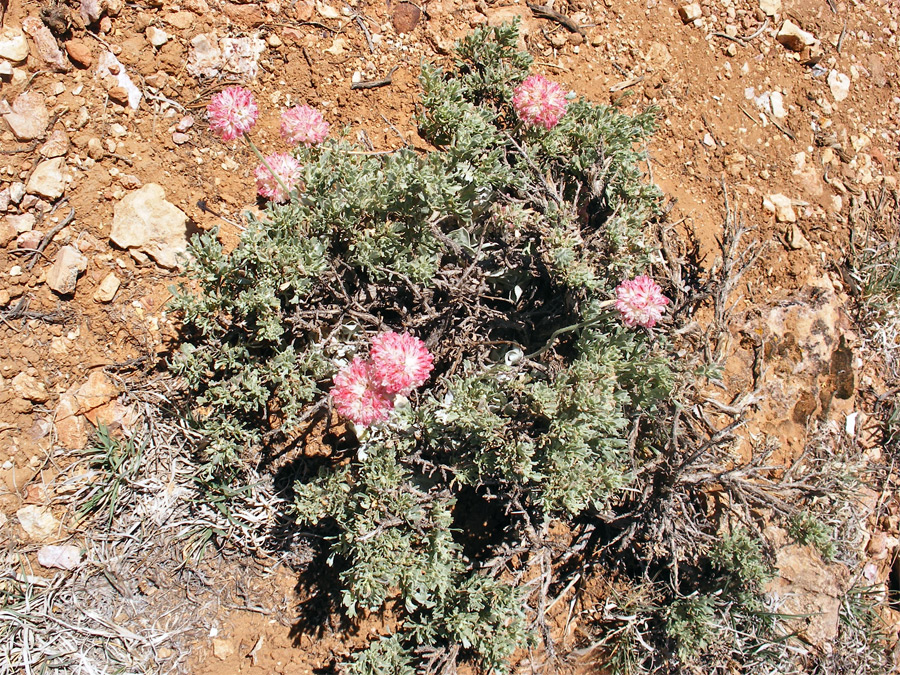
358,397
232,112
285,167
400,362
641,301
303,124
539,101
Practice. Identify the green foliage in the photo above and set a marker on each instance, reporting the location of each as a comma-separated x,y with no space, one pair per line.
501,249
740,557
805,528
691,623
117,462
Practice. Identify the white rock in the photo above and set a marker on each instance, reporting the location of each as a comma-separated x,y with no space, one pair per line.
49,179
6,70
13,44
109,66
770,7
205,57
60,557
30,387
28,117
796,240
38,522
63,275
16,191
776,101
156,36
691,12
839,85
795,38
21,223
782,207
145,221
108,288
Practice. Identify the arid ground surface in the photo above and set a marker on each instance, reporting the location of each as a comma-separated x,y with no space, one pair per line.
798,137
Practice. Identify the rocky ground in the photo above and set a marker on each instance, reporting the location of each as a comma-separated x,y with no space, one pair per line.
786,112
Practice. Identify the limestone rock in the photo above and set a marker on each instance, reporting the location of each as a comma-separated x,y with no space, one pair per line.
97,391
13,44
107,289
839,85
146,222
63,275
49,179
30,388
38,522
796,240
156,36
71,429
56,145
46,45
29,116
810,589
60,557
795,38
770,7
782,207
690,13
109,66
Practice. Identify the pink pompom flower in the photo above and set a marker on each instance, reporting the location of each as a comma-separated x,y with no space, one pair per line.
303,124
232,112
287,168
358,397
539,101
641,302
400,361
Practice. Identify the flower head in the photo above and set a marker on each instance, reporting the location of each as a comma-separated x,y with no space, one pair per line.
303,124
539,101
641,302
358,397
286,168
232,112
400,362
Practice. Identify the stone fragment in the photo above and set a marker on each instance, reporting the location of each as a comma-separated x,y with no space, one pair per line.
71,429
406,17
794,38
6,70
691,12
107,289
781,206
109,66
13,44
156,36
95,148
31,388
21,223
770,7
49,179
222,649
205,57
80,53
29,117
16,191
46,45
776,101
796,240
5,198
29,240
179,138
56,145
90,11
97,391
839,85
144,221
60,557
118,95
38,522
63,274
811,591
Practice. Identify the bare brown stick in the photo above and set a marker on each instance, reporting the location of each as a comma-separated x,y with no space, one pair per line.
49,236
377,83
365,31
543,12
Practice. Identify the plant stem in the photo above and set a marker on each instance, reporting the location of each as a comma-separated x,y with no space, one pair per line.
266,164
569,329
